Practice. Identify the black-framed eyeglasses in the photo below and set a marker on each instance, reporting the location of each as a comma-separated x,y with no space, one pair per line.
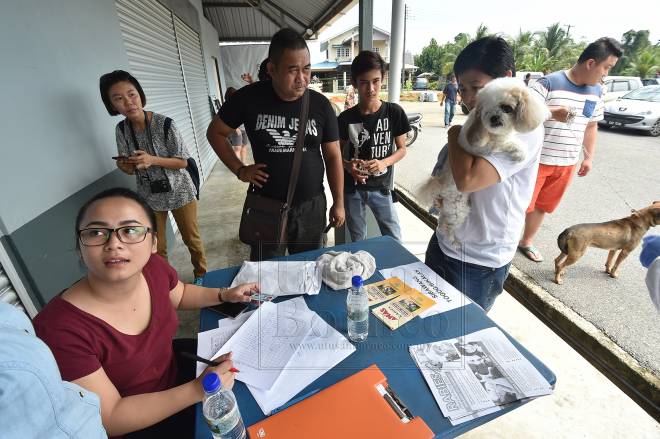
100,235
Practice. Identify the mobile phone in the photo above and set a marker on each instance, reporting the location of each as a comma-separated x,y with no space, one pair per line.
119,157
231,310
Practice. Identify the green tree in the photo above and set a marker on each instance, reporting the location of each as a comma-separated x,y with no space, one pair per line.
521,44
538,60
633,42
426,61
645,63
482,31
554,40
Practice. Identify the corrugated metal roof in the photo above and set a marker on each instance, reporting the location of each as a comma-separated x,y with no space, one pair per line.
258,20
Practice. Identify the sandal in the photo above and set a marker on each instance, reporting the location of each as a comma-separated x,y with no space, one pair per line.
531,253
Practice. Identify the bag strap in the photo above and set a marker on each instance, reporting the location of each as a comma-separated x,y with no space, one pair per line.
300,142
166,128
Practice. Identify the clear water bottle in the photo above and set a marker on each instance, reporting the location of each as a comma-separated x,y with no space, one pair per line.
221,410
357,305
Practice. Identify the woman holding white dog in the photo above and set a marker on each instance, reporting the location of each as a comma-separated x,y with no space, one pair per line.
500,188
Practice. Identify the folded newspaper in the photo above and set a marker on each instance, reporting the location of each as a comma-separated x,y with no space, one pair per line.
477,374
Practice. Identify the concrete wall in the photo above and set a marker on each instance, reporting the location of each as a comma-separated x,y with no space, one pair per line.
57,136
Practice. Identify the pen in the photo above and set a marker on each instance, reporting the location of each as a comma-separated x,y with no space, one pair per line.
205,361
294,401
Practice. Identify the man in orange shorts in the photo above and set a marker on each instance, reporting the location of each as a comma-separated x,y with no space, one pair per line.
575,100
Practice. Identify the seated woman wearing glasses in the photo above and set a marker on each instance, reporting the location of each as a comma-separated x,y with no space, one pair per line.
111,332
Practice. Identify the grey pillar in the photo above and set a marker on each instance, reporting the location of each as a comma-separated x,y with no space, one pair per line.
396,51
366,27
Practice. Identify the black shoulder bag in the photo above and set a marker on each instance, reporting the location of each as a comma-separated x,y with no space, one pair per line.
160,185
264,219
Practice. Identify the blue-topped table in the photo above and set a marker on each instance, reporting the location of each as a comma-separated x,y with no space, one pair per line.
388,349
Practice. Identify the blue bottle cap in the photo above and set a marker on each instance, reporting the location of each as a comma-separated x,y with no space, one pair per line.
211,382
356,281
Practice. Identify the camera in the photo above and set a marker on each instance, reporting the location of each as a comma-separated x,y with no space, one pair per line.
160,186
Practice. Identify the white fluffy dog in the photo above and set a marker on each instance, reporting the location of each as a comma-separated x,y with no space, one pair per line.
504,107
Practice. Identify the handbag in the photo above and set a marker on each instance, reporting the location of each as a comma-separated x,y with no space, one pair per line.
264,219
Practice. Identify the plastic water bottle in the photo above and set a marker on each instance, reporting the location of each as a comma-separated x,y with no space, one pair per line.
357,305
221,410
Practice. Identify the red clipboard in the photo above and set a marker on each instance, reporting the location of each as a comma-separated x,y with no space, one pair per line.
361,405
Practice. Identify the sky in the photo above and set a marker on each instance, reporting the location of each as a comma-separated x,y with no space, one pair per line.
436,19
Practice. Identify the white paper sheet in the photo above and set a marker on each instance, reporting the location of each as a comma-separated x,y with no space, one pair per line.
427,281
323,348
263,346
281,278
210,342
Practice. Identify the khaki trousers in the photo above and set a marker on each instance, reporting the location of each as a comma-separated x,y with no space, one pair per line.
186,221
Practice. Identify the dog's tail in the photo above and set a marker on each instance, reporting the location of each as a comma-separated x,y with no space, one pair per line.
562,240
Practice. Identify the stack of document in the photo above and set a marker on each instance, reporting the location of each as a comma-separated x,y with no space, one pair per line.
420,277
404,302
281,278
279,349
477,374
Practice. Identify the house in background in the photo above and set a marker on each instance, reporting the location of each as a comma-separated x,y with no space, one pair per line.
341,49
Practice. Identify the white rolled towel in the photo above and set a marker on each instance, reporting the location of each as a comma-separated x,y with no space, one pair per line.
337,268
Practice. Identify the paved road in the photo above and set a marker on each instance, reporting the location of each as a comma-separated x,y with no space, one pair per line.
626,175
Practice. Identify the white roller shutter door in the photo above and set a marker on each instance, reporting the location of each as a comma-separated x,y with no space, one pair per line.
153,54
11,288
194,75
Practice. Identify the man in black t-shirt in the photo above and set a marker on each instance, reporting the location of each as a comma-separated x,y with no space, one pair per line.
270,111
369,133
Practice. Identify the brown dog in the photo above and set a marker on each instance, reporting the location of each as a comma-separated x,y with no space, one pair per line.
623,234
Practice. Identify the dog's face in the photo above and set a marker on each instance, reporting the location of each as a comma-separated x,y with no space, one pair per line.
505,104
655,212
650,213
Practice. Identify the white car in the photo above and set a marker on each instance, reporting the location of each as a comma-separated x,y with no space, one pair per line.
617,86
639,109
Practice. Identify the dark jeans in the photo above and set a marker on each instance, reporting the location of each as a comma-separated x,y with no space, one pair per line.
479,283
181,424
304,231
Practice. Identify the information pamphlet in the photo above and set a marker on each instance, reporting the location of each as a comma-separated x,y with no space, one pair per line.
384,290
404,307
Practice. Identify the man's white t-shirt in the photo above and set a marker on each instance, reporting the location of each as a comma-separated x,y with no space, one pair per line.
492,230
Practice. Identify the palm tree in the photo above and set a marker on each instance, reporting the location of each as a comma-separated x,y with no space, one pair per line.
482,31
644,64
538,60
554,39
520,45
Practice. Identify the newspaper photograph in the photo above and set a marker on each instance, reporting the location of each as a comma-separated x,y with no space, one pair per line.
385,290
477,374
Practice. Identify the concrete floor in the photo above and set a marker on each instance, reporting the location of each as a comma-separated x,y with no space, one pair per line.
584,405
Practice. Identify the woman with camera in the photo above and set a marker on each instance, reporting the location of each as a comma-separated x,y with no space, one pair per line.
151,148
112,331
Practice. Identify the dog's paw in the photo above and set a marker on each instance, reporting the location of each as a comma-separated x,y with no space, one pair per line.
518,156
613,274
559,280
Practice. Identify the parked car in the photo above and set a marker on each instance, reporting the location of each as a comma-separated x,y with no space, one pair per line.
617,86
651,81
639,109
421,84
